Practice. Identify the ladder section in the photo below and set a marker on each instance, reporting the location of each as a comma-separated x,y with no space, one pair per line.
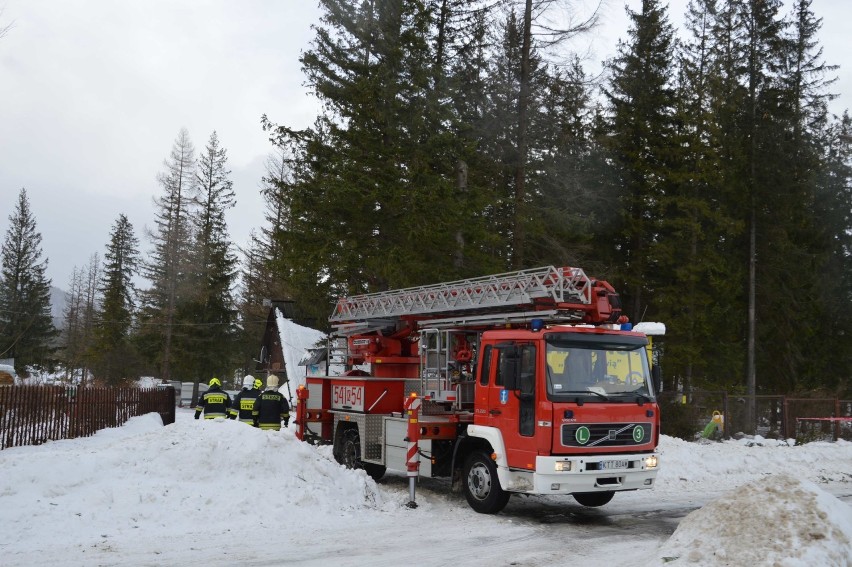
446,366
560,285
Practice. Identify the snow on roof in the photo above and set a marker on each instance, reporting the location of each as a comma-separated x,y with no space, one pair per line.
650,328
295,342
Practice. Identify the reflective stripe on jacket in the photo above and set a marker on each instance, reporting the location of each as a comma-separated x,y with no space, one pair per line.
214,403
270,408
243,405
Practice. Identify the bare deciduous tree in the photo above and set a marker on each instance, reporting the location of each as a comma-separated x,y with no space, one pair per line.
4,28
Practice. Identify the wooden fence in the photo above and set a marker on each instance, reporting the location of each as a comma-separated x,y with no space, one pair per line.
31,415
806,419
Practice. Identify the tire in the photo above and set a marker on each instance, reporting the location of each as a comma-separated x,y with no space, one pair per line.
481,485
349,455
593,499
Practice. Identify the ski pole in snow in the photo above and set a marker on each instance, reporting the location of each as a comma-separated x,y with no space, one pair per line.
412,408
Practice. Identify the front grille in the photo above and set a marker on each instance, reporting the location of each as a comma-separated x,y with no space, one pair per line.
605,434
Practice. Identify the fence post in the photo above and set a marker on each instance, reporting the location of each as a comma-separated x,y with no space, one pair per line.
837,422
786,418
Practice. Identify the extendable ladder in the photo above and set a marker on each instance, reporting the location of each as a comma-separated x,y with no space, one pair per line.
522,288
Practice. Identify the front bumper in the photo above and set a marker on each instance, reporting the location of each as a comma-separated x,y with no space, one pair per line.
582,474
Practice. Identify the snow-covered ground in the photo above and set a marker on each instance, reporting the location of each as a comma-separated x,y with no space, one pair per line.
221,493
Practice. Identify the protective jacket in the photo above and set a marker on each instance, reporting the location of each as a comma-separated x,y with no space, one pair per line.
214,403
243,405
270,409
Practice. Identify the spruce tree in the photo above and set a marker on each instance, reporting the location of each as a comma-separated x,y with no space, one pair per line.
534,16
377,177
114,359
829,363
264,273
462,65
26,326
167,265
209,303
693,268
641,98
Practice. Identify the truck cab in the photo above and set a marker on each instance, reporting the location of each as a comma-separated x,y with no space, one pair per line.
566,410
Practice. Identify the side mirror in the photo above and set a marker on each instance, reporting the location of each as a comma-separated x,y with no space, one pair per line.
657,378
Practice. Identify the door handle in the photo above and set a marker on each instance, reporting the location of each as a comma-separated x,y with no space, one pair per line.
495,412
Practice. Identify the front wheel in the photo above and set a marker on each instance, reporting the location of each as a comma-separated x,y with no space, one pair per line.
481,485
593,499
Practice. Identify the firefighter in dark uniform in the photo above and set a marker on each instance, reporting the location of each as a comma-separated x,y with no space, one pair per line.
271,407
244,401
214,402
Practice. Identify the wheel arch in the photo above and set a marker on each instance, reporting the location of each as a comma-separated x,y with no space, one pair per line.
481,437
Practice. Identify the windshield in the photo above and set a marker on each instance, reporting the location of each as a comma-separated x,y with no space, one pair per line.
605,371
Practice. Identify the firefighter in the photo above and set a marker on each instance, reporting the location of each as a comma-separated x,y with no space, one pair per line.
244,401
271,407
214,402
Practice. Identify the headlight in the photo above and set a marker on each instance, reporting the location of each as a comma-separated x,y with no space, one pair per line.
560,466
651,462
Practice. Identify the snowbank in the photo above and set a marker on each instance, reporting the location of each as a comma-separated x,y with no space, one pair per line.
217,492
690,469
196,478
778,521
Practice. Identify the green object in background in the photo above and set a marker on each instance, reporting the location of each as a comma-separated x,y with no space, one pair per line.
715,423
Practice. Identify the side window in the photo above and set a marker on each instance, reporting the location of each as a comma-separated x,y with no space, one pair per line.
486,366
527,384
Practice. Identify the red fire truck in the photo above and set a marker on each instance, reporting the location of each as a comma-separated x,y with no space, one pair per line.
525,382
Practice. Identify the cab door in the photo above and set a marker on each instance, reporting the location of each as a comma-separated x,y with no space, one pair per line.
512,411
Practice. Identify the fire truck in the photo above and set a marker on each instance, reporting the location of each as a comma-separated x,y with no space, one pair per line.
529,382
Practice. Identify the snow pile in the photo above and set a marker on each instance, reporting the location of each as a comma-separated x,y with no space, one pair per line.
778,521
192,478
148,382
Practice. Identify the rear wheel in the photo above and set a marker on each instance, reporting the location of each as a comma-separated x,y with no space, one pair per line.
349,455
593,499
481,485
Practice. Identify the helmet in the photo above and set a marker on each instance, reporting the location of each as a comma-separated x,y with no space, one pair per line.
248,381
272,381
258,383
215,382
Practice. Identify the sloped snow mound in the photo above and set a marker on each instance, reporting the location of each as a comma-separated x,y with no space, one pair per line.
203,474
779,521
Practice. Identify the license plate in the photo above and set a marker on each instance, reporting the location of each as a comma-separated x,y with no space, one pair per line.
609,465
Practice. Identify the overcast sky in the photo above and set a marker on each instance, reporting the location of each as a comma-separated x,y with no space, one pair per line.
94,92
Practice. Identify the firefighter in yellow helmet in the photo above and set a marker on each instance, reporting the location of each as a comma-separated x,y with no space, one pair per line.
271,407
214,402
